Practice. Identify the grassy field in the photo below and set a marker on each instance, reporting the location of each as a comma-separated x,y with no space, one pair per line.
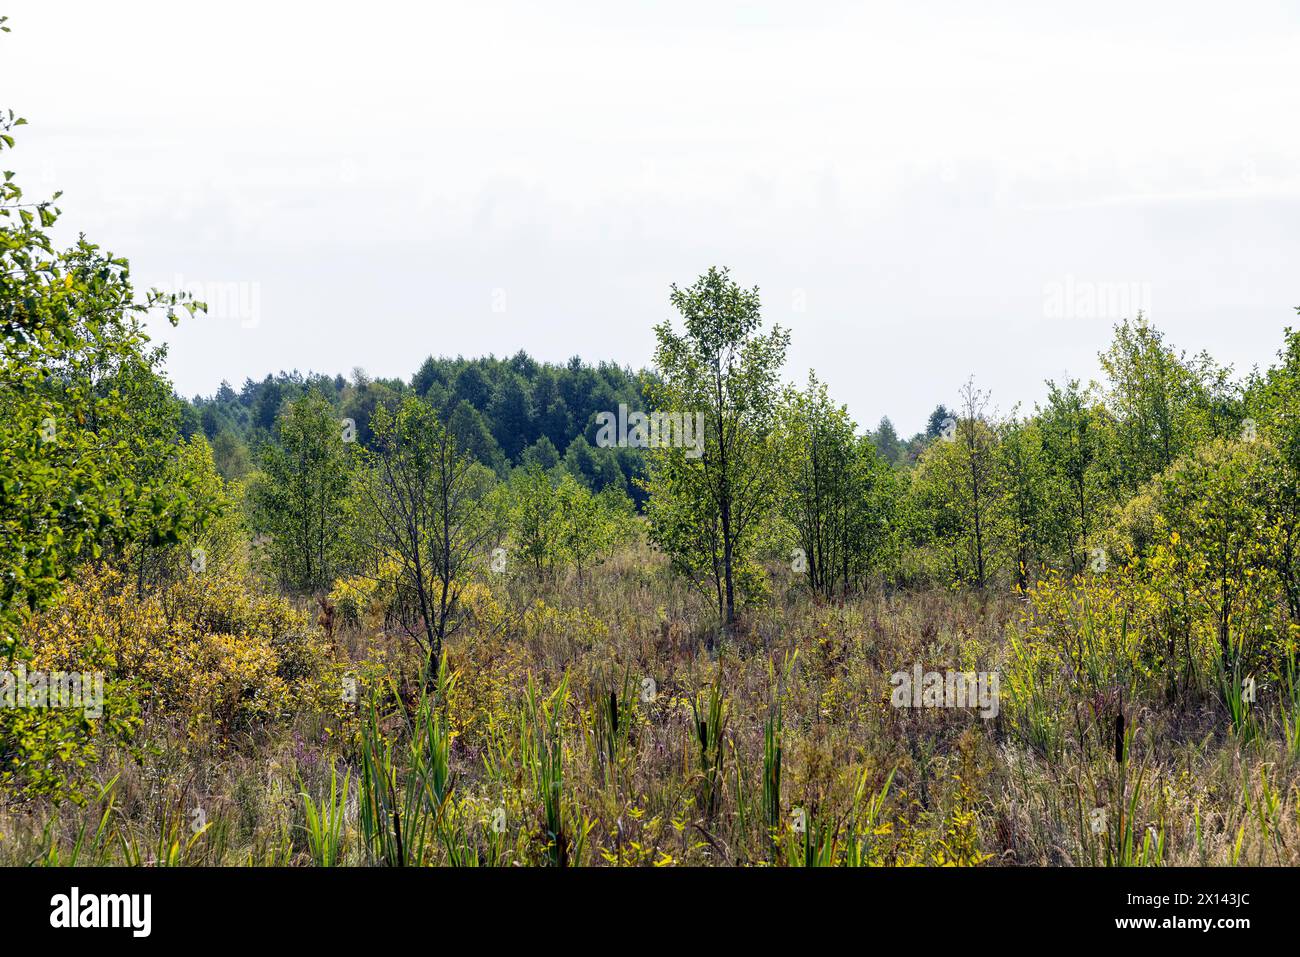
588,723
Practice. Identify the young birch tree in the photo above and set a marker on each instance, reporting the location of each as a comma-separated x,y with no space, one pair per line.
431,517
836,490
704,509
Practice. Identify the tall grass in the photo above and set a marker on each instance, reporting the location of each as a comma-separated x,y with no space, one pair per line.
402,802
326,822
536,749
710,713
772,776
541,751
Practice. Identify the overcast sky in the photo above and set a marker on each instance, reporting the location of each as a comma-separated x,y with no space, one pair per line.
922,191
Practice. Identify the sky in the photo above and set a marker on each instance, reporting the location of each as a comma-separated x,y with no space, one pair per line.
922,192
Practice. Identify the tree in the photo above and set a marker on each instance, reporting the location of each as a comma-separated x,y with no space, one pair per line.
704,510
79,475
542,453
535,524
592,525
472,386
473,437
556,520
886,441
816,472
941,422
510,412
1212,504
1160,400
597,468
1273,401
429,516
1019,484
977,441
361,401
230,456
549,408
267,407
835,492
1073,446
935,513
426,376
951,498
300,497
150,437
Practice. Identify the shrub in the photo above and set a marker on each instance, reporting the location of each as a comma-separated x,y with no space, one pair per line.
204,650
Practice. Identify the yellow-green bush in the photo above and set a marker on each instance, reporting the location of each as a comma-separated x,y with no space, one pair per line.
373,601
204,650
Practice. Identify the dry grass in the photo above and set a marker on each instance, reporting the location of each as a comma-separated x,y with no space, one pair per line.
601,772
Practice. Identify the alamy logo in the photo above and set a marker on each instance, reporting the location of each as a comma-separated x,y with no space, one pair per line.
652,430
950,689
38,689
102,910
231,300
1082,299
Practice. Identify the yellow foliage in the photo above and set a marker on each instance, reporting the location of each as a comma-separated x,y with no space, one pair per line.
204,649
367,601
542,619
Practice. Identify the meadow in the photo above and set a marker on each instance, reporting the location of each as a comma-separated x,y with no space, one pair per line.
544,743
512,612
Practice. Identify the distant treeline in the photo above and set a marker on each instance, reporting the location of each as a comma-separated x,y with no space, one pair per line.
505,412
